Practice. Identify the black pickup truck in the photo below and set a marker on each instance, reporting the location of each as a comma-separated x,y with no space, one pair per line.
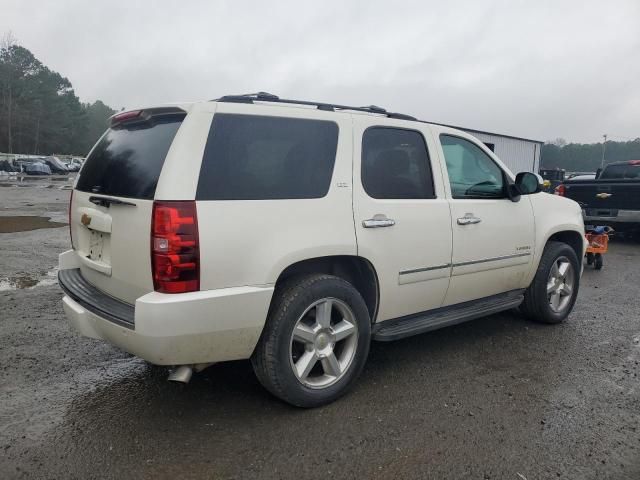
612,198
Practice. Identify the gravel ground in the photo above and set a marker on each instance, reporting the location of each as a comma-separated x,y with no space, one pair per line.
495,398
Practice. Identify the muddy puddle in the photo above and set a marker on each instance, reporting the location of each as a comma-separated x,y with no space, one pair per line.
24,281
12,224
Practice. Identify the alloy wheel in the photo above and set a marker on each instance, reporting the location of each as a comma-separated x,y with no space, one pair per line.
560,284
323,343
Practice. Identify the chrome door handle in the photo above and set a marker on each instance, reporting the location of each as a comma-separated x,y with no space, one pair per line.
378,221
468,219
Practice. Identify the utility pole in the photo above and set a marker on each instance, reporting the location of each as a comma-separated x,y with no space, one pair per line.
604,149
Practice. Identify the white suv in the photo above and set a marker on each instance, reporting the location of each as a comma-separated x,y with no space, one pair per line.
293,233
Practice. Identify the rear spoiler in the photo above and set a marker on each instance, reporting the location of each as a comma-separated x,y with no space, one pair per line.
143,116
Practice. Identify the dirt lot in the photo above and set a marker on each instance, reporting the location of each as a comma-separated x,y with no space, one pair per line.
496,398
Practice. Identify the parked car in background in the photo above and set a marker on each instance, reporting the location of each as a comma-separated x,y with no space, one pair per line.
21,163
586,176
56,165
612,198
293,233
8,167
571,175
37,168
74,165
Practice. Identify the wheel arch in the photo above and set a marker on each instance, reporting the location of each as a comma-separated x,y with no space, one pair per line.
570,234
572,238
356,270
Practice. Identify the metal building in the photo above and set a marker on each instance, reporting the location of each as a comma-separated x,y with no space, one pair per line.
519,154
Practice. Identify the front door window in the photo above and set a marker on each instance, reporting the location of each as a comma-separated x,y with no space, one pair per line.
472,173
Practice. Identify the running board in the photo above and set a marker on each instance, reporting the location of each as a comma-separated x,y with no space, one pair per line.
445,316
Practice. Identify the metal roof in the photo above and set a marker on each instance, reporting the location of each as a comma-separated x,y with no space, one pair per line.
490,133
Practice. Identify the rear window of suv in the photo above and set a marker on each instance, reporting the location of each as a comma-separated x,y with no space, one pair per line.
128,158
251,157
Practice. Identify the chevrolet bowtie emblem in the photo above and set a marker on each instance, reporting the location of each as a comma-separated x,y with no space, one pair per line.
85,219
603,195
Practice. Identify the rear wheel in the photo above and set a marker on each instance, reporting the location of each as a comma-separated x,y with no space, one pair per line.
597,262
552,294
590,257
315,342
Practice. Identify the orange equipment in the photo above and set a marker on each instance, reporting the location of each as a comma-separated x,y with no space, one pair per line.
598,245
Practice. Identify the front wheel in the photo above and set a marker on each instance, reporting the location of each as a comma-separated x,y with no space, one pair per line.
315,342
552,294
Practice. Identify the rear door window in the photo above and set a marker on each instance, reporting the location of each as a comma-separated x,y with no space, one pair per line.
251,157
128,159
395,164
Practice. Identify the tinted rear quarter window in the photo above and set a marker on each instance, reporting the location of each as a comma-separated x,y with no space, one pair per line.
251,157
395,164
128,159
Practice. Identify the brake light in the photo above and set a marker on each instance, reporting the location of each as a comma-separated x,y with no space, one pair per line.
635,163
175,257
70,228
124,116
561,190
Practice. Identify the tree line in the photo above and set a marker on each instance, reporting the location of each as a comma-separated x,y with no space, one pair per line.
39,110
587,157
41,114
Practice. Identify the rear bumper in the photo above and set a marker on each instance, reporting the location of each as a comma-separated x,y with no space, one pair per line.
621,216
173,329
90,298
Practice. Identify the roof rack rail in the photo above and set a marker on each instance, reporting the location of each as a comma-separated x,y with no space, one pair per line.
331,107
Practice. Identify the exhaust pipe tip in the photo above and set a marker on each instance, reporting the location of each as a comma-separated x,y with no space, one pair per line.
181,374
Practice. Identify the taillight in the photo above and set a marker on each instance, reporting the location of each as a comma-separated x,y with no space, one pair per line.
175,257
561,190
70,226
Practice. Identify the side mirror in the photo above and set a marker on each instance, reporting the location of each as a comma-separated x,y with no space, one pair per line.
529,183
513,192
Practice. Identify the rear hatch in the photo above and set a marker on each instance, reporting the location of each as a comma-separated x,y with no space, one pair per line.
112,202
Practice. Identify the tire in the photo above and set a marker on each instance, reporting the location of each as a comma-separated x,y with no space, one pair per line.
541,306
332,337
597,263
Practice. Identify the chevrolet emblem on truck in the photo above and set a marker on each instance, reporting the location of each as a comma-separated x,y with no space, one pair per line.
85,219
603,195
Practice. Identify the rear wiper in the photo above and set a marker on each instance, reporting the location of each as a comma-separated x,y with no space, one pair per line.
106,201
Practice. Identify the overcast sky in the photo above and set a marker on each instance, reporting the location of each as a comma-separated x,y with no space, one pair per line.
538,69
